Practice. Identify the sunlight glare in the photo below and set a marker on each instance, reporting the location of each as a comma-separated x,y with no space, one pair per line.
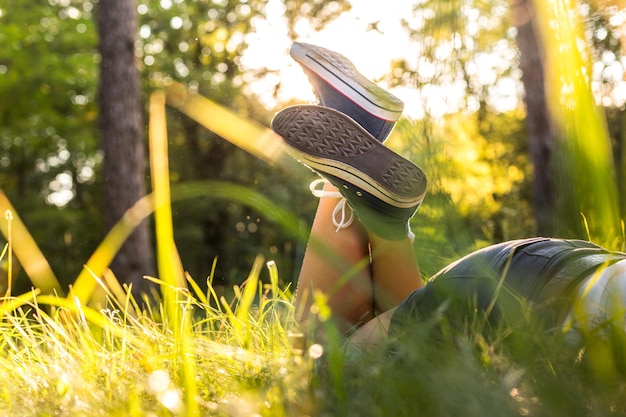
172,400
368,35
316,351
176,22
158,381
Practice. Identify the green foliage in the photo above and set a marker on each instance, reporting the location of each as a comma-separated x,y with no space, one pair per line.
478,172
521,371
75,360
200,44
461,46
48,130
50,162
584,164
66,359
318,13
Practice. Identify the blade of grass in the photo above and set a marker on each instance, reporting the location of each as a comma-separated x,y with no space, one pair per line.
116,292
249,290
90,315
196,289
273,270
242,314
210,288
232,319
586,160
9,217
170,267
12,303
28,253
84,285
169,263
240,131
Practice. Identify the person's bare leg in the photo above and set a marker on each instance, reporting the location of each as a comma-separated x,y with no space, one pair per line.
395,275
371,334
336,265
395,271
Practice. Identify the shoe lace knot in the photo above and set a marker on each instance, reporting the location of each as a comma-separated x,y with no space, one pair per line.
340,218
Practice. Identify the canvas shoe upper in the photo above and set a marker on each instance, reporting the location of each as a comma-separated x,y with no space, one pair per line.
339,85
383,189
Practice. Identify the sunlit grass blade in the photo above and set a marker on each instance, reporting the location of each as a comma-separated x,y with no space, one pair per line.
8,251
245,301
584,161
102,257
27,251
249,290
273,270
113,293
240,131
210,289
87,314
116,292
230,315
196,289
6,267
12,303
170,267
242,194
169,263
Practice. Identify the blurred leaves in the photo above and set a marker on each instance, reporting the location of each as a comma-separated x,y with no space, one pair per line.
584,160
48,138
479,183
50,159
462,65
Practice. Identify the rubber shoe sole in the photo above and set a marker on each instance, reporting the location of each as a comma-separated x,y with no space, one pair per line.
341,74
338,148
328,96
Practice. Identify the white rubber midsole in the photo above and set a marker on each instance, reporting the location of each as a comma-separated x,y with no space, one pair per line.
355,92
351,175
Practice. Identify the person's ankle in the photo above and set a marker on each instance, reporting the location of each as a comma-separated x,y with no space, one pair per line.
377,240
330,187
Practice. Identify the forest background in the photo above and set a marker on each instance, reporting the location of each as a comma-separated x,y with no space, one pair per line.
507,155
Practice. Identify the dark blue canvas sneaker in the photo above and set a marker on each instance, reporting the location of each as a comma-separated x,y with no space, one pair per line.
382,188
339,85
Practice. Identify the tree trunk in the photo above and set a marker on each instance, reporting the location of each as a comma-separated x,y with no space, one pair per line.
540,133
122,137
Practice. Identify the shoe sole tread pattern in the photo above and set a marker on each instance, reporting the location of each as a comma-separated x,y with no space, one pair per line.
326,63
330,142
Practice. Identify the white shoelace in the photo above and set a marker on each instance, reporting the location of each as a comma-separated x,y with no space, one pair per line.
341,207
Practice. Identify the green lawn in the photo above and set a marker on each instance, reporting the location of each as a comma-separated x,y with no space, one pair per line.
60,358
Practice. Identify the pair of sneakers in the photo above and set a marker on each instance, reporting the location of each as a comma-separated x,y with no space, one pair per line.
342,140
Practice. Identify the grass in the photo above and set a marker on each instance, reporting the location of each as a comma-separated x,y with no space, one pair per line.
97,351
62,358
100,352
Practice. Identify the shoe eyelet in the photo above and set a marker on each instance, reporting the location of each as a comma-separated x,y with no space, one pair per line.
360,194
345,186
